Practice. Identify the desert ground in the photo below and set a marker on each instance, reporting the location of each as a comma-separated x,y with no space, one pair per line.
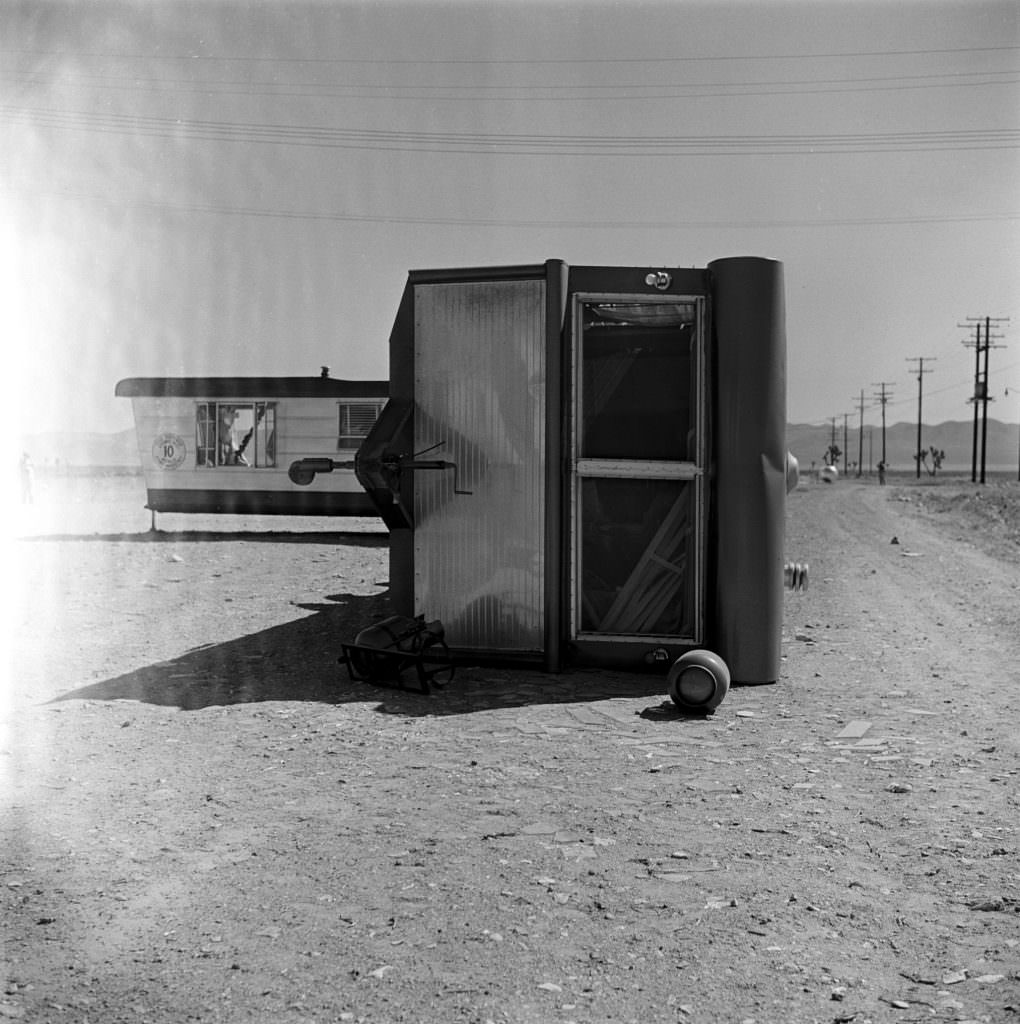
203,819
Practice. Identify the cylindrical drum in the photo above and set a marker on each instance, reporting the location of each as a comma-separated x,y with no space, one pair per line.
749,444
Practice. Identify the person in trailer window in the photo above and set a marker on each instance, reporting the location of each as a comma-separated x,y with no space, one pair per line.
227,449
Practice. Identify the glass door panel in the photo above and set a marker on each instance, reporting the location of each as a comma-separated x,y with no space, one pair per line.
638,457
637,556
638,387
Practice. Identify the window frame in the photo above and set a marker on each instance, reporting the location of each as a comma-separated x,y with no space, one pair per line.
207,429
690,471
347,440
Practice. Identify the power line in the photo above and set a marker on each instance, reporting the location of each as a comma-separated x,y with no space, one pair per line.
509,143
508,61
949,387
955,385
312,215
517,93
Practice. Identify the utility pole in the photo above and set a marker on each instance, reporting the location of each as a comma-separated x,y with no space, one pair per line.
844,444
981,395
1017,451
832,452
986,397
977,390
860,434
883,396
984,401
921,371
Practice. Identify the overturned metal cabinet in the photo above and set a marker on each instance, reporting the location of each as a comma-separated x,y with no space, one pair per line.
586,464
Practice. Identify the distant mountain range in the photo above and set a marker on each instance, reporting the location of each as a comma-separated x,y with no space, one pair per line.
955,437
806,441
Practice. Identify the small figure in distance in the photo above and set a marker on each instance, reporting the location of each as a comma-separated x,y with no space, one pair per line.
27,479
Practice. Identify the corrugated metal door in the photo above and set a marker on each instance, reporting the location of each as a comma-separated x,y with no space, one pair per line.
480,381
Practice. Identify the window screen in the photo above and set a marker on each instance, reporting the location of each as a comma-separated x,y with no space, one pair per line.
356,419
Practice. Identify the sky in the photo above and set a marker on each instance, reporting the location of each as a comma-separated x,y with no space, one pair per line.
241,188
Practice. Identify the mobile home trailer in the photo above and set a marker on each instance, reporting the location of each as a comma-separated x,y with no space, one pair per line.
224,444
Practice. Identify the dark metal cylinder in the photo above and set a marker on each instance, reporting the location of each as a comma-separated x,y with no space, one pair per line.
749,425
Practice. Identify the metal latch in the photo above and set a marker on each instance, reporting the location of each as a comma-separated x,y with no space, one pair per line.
304,471
396,464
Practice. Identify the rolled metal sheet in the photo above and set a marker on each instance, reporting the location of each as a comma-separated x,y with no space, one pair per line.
749,385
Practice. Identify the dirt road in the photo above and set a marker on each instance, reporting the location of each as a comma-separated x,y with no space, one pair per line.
204,821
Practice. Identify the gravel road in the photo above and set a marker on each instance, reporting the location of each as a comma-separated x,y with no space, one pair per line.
203,820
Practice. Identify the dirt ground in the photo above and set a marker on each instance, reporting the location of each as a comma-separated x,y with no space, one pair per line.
204,820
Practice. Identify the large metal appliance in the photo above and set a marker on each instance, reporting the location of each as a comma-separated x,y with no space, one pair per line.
587,465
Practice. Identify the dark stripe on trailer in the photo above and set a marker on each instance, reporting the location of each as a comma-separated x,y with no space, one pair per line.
261,503
249,387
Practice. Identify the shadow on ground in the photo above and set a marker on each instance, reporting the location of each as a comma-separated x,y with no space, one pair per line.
299,661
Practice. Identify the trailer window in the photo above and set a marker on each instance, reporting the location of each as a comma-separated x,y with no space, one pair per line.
356,419
239,434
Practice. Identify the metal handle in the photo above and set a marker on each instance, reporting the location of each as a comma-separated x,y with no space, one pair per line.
399,463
